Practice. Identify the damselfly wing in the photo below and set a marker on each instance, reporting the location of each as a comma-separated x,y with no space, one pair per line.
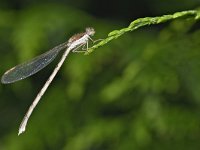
32,66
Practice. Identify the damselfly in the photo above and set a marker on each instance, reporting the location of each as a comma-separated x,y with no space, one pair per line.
31,67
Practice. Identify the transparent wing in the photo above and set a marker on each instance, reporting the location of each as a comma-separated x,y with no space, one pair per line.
31,67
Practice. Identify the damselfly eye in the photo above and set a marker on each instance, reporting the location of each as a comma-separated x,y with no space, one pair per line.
90,31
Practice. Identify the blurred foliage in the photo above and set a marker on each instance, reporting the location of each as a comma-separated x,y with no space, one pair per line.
141,91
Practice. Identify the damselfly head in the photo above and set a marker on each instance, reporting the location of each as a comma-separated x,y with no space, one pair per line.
90,31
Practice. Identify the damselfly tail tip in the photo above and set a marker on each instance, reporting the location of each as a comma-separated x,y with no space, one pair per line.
21,130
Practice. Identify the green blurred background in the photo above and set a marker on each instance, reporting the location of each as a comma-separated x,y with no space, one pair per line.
139,92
